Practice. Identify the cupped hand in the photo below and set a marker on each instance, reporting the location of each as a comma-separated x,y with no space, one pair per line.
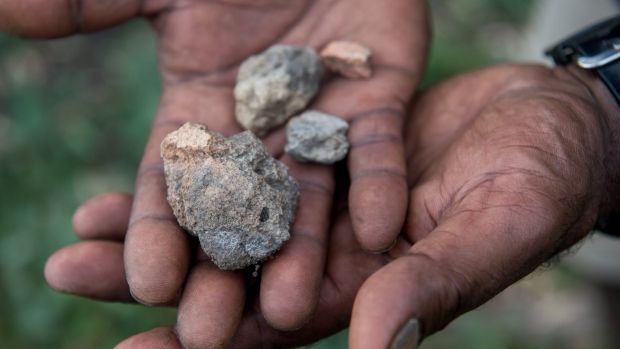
201,43
508,167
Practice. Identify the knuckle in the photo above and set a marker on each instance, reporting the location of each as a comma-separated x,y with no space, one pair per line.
381,172
311,186
372,138
150,175
310,237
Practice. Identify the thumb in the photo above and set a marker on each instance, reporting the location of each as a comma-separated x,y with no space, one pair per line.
56,18
467,259
411,297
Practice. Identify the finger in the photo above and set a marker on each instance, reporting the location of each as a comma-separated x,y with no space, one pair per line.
347,267
55,18
374,109
156,248
211,307
291,282
470,257
378,193
158,338
103,217
92,269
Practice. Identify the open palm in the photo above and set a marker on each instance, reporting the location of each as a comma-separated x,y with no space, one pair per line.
201,43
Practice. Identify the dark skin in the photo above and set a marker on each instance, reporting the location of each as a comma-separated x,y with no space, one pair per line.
348,265
201,44
507,167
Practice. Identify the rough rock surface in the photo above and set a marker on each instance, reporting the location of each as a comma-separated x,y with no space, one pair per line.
317,137
350,59
275,85
230,192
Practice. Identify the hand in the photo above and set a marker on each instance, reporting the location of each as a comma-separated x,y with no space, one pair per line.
201,44
94,268
508,166
507,169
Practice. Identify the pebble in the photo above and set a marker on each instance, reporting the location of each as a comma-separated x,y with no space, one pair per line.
275,85
229,192
317,137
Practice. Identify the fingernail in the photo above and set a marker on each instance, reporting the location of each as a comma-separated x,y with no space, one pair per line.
408,336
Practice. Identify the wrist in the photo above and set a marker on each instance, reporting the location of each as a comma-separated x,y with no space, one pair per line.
609,114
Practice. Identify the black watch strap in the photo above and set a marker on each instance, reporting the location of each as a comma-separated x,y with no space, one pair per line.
609,225
596,48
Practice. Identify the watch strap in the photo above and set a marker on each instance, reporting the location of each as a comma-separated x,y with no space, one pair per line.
608,225
596,48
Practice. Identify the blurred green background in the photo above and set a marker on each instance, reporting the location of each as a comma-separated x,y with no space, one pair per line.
74,116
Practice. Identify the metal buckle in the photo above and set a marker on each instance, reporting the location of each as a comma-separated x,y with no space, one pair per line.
606,56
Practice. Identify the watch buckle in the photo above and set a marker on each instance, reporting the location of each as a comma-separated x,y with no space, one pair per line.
609,53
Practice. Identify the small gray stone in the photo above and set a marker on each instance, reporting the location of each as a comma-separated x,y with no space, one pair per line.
230,192
317,137
275,85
